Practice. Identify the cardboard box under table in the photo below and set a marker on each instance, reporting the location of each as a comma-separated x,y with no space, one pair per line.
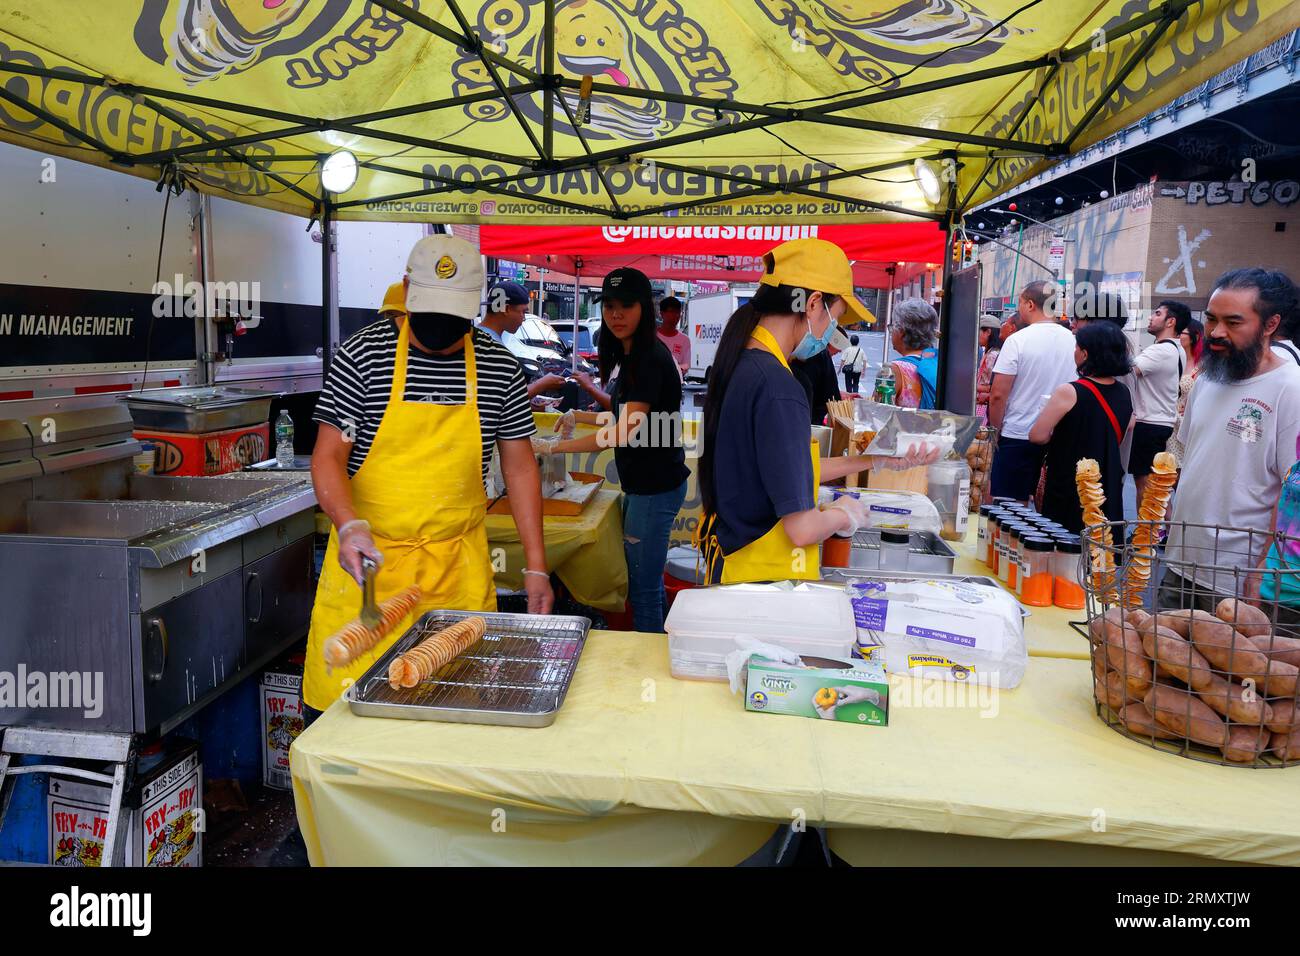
640,769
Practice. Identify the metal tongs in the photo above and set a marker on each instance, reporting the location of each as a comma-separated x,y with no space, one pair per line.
370,616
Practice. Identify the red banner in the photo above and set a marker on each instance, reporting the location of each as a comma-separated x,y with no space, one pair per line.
713,253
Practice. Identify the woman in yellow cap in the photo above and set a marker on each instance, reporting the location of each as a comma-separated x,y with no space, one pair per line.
393,307
760,469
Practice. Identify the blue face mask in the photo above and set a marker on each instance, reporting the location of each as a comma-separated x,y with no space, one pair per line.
810,344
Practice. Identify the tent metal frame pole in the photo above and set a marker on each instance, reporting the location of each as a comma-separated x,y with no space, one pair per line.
476,44
1024,115
451,36
306,125
60,124
548,98
1166,21
329,302
184,123
586,147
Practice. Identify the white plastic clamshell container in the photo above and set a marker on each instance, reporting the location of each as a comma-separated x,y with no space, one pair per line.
704,623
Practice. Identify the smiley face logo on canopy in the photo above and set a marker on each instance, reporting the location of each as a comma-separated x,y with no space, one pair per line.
599,39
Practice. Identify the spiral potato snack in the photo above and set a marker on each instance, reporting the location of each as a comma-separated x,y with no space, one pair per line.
435,652
1087,478
1155,502
346,645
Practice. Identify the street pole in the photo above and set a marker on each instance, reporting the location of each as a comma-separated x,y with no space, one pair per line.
577,301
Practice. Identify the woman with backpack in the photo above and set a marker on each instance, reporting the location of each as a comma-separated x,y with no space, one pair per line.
913,327
1087,418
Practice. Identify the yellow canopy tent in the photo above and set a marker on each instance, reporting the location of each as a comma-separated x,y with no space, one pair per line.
552,111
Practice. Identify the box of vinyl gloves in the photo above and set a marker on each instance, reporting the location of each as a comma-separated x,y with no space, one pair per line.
855,692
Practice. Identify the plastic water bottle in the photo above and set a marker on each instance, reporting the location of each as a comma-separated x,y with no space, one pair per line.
884,394
284,440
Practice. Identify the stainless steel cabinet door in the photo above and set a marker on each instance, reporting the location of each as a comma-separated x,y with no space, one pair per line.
278,593
190,646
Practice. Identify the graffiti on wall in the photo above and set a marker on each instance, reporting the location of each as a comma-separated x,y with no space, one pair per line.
1180,277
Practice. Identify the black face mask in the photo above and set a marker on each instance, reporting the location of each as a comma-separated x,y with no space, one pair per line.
438,332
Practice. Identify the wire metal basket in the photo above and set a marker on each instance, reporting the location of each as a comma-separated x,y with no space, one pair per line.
1187,656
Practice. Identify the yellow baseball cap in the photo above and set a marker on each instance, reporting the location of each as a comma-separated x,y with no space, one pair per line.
818,266
394,299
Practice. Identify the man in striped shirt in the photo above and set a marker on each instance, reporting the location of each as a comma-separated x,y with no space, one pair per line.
412,464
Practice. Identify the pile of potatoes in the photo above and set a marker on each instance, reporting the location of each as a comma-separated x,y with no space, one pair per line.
980,458
1222,680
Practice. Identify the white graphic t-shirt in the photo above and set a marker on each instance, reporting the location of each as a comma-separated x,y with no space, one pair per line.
1239,442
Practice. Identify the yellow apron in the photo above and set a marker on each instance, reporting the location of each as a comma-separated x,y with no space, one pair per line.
421,489
773,557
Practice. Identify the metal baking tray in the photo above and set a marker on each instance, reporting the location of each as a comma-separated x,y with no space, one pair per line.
196,410
517,676
927,554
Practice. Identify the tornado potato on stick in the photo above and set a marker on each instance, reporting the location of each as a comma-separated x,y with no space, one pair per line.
1154,504
435,652
1087,478
354,639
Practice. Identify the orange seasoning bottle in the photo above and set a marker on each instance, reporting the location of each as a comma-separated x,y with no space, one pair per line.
1067,585
1036,570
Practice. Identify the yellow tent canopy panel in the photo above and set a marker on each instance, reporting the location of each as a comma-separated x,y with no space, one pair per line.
553,111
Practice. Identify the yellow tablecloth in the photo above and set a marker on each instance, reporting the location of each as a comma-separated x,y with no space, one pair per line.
641,768
586,551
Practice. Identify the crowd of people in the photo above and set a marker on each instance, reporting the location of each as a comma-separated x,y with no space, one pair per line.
1222,395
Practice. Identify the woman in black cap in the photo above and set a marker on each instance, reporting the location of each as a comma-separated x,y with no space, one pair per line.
644,427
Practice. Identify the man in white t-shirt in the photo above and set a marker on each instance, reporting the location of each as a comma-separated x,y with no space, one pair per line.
1156,373
1032,363
670,313
1241,432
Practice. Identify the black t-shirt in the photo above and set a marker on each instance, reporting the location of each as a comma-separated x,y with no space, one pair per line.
817,376
762,465
1085,431
658,463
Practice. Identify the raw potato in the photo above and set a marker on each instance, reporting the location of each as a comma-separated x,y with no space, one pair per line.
1284,719
1138,617
1244,618
1179,620
1186,715
1138,720
1125,654
1286,746
1097,625
1229,651
1178,657
1245,744
1110,691
1231,701
1278,648
1281,679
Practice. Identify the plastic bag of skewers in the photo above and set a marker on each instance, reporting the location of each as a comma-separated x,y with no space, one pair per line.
902,428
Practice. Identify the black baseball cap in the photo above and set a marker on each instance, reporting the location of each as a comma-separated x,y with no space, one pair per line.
514,293
625,285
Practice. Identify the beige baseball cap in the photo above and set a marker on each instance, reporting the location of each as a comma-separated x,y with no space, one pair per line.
444,274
